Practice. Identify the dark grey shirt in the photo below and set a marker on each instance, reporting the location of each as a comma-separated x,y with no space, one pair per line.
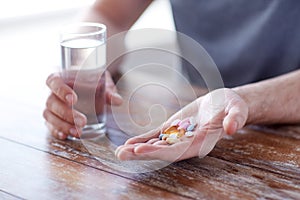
249,40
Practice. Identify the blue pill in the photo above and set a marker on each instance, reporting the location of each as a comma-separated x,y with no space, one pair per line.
161,136
190,127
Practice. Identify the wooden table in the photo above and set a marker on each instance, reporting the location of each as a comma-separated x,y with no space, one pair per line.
256,163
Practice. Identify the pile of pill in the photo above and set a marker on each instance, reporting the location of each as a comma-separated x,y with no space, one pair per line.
178,129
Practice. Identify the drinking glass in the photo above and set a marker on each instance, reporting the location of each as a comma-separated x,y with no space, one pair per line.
83,53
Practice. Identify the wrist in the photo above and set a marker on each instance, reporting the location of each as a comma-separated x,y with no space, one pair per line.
255,102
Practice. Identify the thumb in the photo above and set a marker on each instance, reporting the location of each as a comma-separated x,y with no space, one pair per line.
236,117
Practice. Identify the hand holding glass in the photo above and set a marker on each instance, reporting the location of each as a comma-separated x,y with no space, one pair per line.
83,49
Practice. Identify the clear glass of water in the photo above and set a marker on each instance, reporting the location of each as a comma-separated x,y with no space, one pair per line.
83,53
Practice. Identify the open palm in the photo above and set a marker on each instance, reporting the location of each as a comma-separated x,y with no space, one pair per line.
217,113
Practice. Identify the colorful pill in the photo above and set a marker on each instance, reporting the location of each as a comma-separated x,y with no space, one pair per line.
181,133
172,140
170,130
174,132
175,122
165,136
184,121
190,127
173,135
189,134
161,136
178,129
183,125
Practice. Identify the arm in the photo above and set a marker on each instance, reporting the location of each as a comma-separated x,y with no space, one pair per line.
61,119
118,16
271,101
274,100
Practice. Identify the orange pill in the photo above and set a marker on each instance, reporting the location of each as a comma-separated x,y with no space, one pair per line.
170,130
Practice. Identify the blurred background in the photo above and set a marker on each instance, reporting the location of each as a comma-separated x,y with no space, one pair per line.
29,42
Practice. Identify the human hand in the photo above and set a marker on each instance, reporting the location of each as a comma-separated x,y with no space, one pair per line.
61,118
217,113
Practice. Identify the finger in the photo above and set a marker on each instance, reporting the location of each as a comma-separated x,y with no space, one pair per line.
61,125
112,96
153,140
65,112
144,137
125,152
169,153
55,133
60,89
160,142
235,119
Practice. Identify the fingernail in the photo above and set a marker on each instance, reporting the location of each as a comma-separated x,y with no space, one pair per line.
117,96
69,98
61,135
234,127
79,121
51,82
73,132
117,151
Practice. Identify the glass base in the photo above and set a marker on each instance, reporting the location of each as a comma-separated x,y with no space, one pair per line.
91,132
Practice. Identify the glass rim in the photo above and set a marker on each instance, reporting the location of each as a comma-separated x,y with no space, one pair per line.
102,29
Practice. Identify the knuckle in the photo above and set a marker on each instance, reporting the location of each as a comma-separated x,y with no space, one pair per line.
60,91
63,114
60,110
61,127
64,128
54,133
58,87
46,114
56,126
51,78
66,116
49,102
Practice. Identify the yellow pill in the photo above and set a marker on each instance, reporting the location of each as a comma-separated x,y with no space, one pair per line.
172,140
173,135
181,132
